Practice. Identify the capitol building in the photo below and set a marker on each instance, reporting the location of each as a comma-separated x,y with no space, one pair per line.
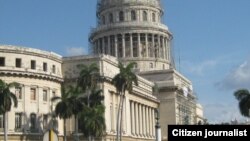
127,31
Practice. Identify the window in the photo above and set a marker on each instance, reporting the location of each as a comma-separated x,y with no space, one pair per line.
45,121
45,66
1,122
18,120
18,62
33,64
45,95
133,15
111,19
145,16
32,94
53,69
32,121
121,16
153,17
2,61
18,92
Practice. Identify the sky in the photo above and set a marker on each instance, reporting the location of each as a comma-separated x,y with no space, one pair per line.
211,42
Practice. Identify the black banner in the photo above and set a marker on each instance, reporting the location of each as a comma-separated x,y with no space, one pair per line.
208,132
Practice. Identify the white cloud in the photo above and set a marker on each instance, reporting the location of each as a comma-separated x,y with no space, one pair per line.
221,112
74,51
201,68
237,78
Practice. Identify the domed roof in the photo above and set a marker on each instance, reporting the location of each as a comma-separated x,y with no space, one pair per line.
107,3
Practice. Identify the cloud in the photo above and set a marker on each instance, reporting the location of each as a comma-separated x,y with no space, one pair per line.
222,112
201,68
74,51
237,78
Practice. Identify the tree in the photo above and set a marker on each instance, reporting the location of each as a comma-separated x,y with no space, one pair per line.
123,81
88,77
63,108
92,117
7,98
243,96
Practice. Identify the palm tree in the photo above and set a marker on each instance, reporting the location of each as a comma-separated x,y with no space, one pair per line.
88,77
123,81
243,96
63,108
6,99
92,117
77,104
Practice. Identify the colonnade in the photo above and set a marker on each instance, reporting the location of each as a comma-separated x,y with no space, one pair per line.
142,45
142,119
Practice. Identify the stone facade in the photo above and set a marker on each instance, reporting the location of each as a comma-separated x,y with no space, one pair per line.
40,75
127,31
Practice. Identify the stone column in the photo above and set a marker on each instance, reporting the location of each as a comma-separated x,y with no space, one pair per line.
109,49
140,120
144,121
153,118
103,45
136,119
139,45
146,40
164,47
116,49
132,118
147,122
159,44
98,46
131,45
150,122
153,45
123,45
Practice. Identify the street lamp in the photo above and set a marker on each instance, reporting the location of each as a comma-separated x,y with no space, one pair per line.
157,126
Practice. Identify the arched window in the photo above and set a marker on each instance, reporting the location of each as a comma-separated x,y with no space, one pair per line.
121,16
145,16
133,15
153,17
111,19
103,20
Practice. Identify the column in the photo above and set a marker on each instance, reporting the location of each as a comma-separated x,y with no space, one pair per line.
139,45
98,46
116,55
123,45
164,47
147,122
136,119
144,121
132,118
146,40
131,45
109,49
150,122
153,44
140,113
159,44
153,118
103,45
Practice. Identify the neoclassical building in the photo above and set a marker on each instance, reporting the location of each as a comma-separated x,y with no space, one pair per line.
127,31
40,75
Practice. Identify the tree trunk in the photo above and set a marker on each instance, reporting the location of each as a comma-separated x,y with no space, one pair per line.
117,120
64,130
76,128
121,123
5,126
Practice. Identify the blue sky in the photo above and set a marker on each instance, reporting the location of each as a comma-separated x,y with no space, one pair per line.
211,41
